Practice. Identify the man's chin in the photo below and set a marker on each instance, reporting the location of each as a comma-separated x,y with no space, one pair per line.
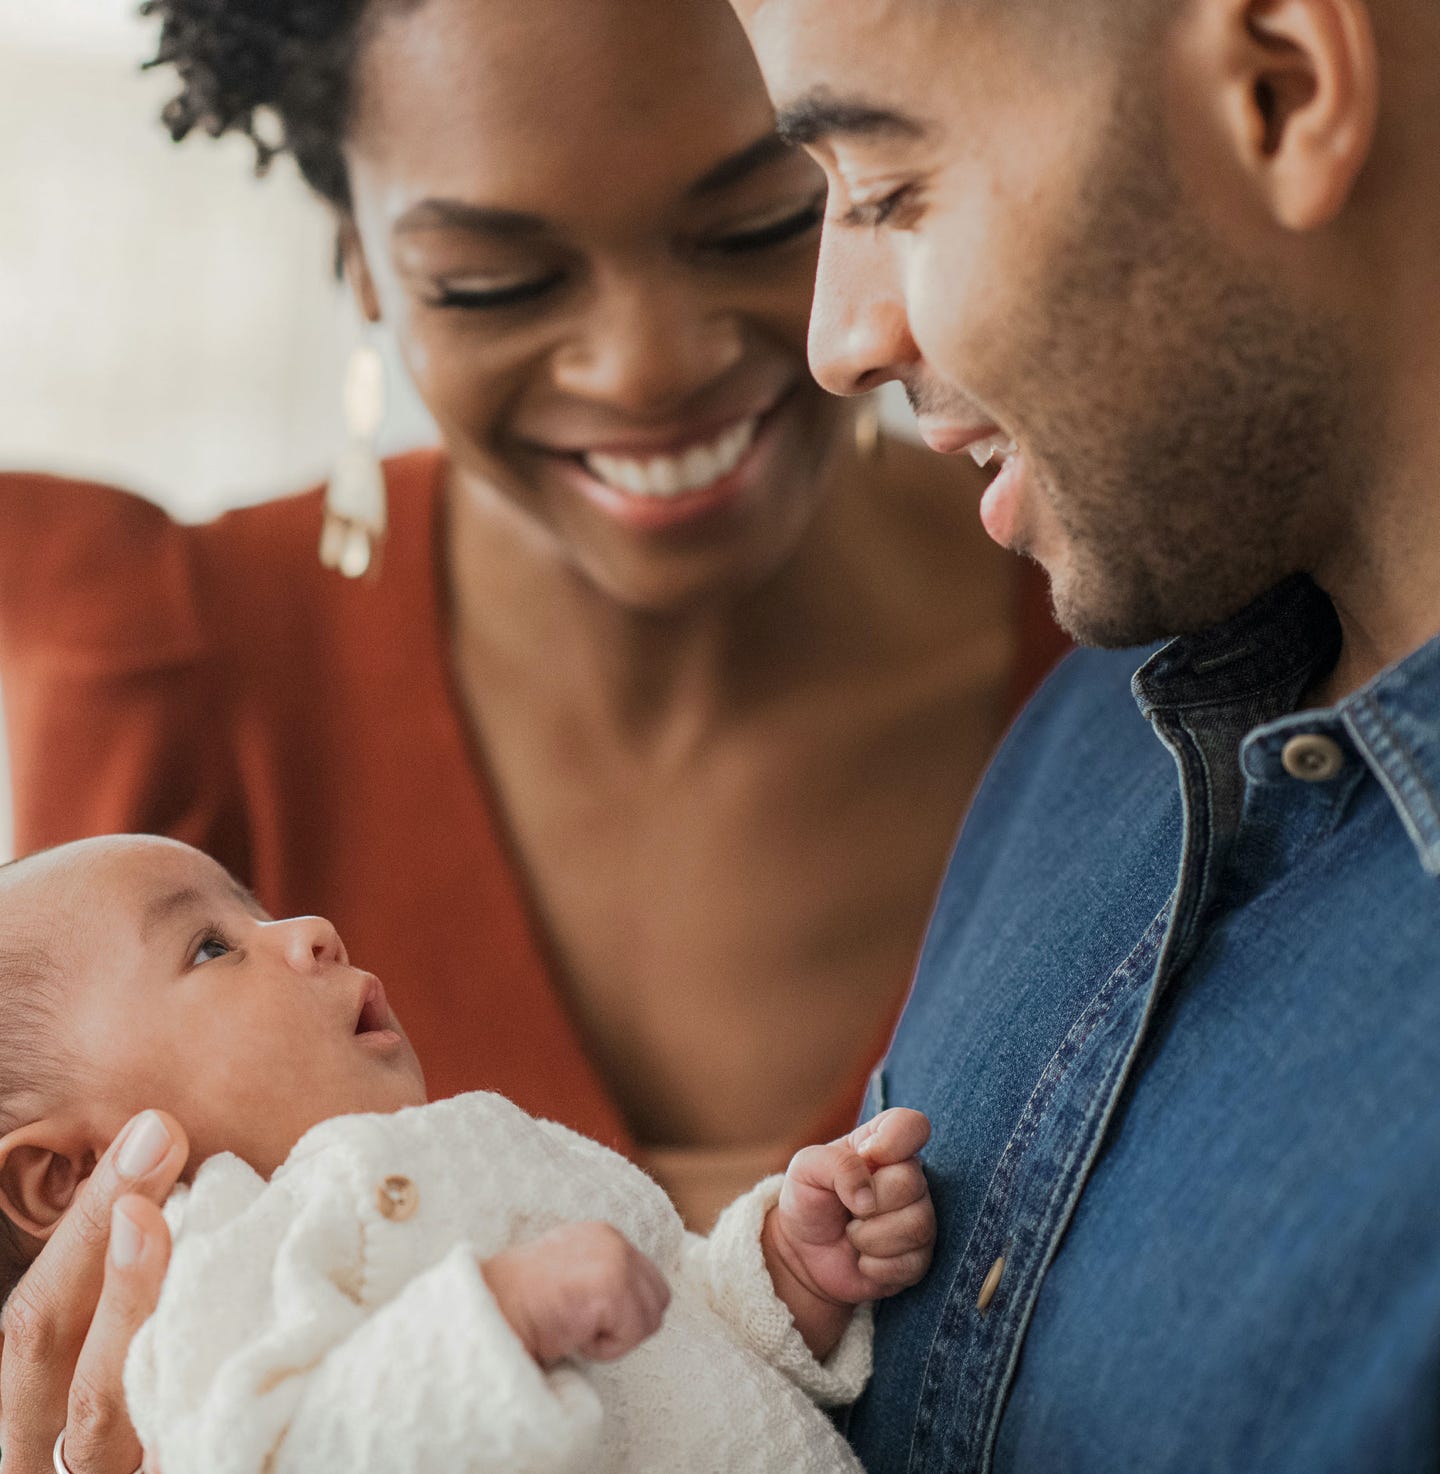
1110,612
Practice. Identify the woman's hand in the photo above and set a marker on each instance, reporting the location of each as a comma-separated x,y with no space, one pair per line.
854,1223
581,1290
70,1321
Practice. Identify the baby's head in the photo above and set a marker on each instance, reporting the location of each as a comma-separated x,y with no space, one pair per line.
135,973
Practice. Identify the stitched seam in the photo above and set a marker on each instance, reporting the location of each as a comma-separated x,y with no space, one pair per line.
1407,790
1021,1138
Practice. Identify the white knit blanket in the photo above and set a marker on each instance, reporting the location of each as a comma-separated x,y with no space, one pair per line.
308,1325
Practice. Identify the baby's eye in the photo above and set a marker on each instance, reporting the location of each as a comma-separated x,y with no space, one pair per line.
209,949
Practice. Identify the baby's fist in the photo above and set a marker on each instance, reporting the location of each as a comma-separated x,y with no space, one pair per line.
580,1290
855,1221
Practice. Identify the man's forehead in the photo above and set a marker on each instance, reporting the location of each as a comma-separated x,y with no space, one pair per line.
850,65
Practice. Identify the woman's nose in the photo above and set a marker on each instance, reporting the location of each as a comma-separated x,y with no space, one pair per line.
309,942
648,346
859,332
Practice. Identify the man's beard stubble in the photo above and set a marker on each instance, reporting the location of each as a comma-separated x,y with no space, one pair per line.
1193,443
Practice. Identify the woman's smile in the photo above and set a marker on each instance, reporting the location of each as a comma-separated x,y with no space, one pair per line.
673,477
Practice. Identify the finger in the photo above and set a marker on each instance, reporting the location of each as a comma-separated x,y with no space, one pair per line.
890,1275
631,1320
48,1315
99,1438
890,1137
888,1234
809,1206
655,1295
852,1181
899,1186
836,1169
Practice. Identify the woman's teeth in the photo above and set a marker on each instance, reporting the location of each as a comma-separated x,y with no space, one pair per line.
667,476
985,451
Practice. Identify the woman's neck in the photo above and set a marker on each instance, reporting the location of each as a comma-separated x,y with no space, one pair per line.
520,610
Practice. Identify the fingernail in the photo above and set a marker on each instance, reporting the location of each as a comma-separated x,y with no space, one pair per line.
127,1239
145,1147
865,1200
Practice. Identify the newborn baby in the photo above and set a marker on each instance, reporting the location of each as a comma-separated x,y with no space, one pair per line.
364,1282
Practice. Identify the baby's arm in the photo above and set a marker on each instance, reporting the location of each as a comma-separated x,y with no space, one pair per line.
787,1264
854,1223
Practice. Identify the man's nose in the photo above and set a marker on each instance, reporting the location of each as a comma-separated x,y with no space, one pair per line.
859,330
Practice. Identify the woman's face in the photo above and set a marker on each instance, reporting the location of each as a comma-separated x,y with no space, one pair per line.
598,261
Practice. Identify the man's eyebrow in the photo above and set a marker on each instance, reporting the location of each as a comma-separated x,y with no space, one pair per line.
741,164
820,114
430,214
186,897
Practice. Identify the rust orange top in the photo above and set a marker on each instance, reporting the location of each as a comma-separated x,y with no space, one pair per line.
212,683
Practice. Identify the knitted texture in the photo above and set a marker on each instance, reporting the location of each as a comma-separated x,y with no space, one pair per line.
335,1318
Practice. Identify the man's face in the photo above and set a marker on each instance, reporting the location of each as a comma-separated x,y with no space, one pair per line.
1014,236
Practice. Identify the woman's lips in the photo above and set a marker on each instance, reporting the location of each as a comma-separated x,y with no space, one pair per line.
653,491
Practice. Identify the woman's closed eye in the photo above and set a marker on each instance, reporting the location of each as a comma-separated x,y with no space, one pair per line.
773,230
481,294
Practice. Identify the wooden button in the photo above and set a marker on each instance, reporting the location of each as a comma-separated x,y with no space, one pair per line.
397,1199
992,1283
1312,758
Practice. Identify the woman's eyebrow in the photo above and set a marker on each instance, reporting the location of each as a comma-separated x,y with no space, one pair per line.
741,164
430,214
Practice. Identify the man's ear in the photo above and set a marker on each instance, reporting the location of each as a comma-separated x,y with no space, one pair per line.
357,270
1300,98
41,1169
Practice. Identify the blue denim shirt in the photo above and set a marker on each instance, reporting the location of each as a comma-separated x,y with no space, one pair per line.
1177,1025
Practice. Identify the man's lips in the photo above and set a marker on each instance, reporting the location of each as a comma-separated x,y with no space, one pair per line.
953,439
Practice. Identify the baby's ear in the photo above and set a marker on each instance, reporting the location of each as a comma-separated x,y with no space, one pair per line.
41,1168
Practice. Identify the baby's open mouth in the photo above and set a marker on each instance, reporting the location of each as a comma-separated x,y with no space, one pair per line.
374,1011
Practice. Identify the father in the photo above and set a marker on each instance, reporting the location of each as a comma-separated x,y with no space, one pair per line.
1178,1021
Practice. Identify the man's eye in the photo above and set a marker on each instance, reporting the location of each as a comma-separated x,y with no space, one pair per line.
209,949
468,297
891,209
774,232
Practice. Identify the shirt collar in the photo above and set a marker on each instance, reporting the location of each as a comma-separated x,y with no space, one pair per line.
1263,661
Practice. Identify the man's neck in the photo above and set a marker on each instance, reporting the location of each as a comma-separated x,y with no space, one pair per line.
1384,577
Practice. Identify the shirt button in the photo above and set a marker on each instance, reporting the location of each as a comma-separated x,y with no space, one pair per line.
992,1283
1312,758
397,1199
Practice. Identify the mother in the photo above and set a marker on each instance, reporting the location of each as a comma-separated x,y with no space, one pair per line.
634,790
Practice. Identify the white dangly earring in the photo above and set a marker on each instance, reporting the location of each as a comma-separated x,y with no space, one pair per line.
867,426
354,524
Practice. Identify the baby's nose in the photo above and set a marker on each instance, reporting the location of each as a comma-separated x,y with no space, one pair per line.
311,942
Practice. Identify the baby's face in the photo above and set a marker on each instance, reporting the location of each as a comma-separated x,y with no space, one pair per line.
178,992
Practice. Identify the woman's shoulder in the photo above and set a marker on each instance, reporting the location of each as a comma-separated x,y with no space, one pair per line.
86,565
83,563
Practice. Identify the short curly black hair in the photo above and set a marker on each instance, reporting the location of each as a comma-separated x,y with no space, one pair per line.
279,72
